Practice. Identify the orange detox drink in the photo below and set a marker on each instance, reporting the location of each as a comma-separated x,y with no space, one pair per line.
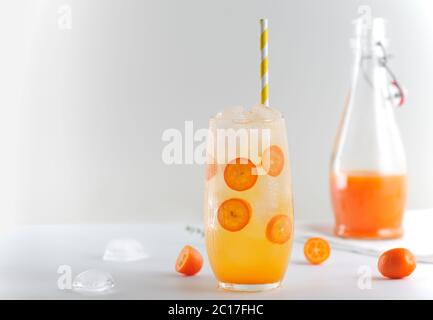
248,200
368,204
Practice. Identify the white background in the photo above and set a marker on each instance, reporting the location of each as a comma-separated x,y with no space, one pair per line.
82,111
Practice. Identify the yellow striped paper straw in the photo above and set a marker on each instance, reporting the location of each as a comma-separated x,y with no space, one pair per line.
264,72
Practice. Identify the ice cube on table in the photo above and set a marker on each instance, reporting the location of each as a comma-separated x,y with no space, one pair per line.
93,282
124,250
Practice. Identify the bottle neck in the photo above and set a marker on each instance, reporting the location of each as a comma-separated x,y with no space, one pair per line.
370,62
368,50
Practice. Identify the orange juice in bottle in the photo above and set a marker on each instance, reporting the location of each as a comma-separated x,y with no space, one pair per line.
368,204
368,167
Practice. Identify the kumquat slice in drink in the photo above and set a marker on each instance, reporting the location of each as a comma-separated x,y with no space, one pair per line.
240,174
234,214
273,160
279,229
211,168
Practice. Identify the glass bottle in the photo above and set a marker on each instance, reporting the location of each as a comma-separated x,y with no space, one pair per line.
368,165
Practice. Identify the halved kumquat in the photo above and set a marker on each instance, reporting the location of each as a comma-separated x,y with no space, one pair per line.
234,214
189,261
317,250
240,174
273,160
279,229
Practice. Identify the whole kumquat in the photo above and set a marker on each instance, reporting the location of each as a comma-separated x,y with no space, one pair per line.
397,263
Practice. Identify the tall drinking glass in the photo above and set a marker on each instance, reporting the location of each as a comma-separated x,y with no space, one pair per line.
248,199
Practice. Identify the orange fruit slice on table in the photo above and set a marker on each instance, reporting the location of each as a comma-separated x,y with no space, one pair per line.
234,214
240,174
279,229
273,160
211,168
397,263
317,250
189,261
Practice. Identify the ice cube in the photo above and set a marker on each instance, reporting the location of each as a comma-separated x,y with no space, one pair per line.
124,250
93,282
232,112
241,115
261,112
236,114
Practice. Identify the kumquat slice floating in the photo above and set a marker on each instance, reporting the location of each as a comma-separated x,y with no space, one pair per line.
317,250
273,160
240,174
279,229
234,214
189,261
211,168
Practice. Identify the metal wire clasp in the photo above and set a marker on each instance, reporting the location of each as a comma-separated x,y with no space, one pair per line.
383,61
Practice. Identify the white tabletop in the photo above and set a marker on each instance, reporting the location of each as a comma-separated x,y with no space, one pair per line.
31,255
